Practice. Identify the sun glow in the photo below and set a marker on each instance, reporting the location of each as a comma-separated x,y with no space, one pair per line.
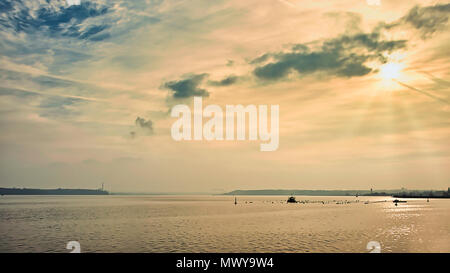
389,74
391,71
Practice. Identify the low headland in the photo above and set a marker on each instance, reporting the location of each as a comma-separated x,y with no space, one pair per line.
400,193
25,191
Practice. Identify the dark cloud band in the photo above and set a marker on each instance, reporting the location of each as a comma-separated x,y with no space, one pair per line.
344,56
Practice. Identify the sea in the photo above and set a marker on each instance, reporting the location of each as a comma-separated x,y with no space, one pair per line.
214,223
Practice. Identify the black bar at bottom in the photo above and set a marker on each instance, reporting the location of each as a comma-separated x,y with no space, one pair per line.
223,262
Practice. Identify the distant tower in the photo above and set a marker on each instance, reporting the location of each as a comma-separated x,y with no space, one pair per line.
371,190
102,186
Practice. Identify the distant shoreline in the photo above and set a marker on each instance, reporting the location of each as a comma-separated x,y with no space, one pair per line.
25,191
402,193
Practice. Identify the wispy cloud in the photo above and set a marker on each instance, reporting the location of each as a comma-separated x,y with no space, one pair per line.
428,20
229,80
54,18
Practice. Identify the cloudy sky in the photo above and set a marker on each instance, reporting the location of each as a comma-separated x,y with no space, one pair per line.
86,93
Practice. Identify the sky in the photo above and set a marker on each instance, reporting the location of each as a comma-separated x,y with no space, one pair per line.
86,93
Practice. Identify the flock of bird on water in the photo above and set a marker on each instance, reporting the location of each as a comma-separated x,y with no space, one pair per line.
337,202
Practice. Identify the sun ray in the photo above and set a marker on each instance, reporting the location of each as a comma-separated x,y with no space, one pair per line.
422,92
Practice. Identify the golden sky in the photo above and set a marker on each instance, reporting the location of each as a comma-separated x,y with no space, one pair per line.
363,90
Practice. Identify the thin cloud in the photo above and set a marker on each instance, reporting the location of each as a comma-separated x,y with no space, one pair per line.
229,80
428,20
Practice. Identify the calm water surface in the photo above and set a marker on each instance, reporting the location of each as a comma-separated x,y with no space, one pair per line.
215,224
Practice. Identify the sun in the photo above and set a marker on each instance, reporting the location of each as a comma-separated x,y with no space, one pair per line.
390,71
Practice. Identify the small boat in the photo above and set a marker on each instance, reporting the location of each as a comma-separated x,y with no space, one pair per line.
396,201
291,200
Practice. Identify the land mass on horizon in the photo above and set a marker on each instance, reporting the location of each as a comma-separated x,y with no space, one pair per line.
403,193
25,191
